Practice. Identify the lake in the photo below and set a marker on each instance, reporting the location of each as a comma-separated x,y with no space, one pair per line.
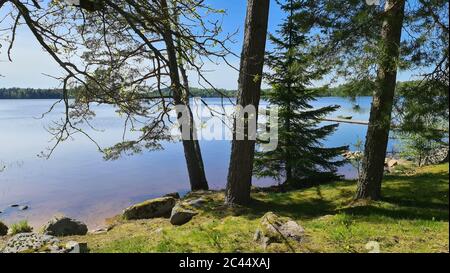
76,181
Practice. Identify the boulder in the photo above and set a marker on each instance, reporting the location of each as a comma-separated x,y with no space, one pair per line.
64,226
31,242
175,195
392,163
159,207
3,229
41,243
181,215
275,229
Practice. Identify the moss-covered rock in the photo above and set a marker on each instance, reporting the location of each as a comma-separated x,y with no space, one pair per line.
276,229
181,214
39,243
3,229
63,226
159,207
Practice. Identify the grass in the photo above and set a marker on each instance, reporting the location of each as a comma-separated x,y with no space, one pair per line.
412,217
20,227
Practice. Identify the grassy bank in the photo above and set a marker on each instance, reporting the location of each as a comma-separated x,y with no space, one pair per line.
413,217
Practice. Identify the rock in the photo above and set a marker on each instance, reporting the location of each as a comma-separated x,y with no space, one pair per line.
275,229
3,229
181,215
175,195
76,247
32,242
392,163
40,243
197,203
99,231
63,226
159,207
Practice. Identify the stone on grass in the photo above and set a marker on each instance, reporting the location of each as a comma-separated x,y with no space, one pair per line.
181,215
41,243
159,207
3,229
392,163
275,229
197,203
31,242
100,230
64,226
76,247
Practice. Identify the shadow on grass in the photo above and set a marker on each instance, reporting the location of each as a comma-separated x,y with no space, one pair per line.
411,213
280,203
296,209
421,197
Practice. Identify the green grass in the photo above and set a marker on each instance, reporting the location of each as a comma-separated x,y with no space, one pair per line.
20,227
412,217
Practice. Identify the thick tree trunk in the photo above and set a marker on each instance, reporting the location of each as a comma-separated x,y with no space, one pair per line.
252,62
369,186
191,145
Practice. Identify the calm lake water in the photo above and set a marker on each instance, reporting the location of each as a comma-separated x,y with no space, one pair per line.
77,182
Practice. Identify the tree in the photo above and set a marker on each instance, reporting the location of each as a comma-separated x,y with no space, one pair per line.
369,186
300,155
371,43
131,51
249,91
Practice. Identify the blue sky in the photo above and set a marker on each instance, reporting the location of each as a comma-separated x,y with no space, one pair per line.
30,62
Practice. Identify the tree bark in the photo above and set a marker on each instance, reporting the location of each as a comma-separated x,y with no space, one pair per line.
191,146
369,186
249,93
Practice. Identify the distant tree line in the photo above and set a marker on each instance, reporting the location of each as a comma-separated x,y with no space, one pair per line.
344,90
30,93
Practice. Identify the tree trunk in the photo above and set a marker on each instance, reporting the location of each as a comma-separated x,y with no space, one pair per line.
369,187
252,62
191,145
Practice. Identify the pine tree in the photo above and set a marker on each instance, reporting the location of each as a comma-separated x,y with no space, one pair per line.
300,154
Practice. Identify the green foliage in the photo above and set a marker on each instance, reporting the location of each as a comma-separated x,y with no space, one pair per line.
422,107
300,154
20,227
422,113
416,147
